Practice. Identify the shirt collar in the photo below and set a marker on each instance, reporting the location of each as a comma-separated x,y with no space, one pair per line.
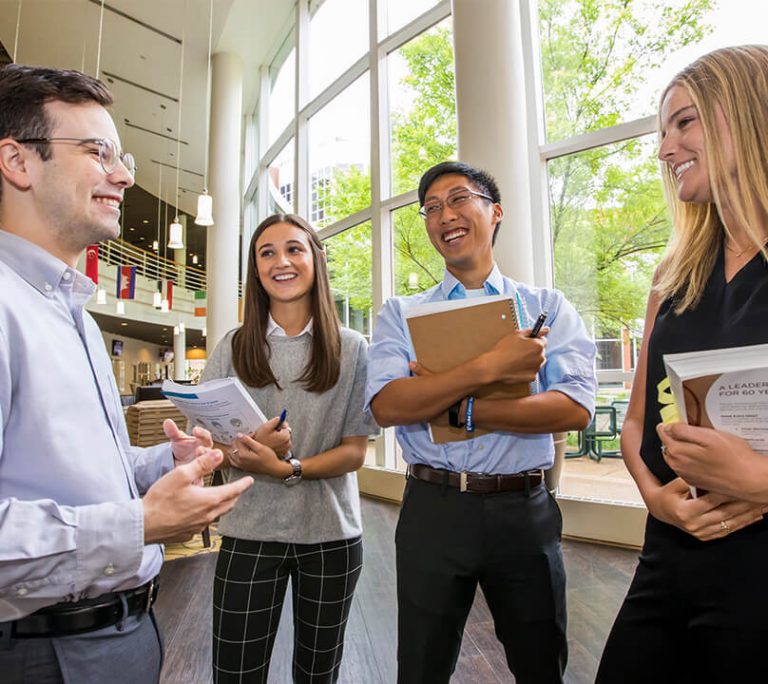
493,284
274,329
40,268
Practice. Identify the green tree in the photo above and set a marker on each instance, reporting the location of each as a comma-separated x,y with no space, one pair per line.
608,218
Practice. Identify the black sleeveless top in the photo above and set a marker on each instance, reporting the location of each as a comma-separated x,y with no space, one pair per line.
731,314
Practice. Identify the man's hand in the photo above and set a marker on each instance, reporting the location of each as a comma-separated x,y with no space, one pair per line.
716,461
516,357
277,440
707,517
184,446
176,508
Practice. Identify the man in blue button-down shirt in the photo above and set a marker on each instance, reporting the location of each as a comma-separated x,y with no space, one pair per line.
477,510
82,512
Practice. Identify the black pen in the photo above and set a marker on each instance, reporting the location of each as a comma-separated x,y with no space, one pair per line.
537,326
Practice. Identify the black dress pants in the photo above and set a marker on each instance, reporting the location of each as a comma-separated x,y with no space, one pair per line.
447,542
695,611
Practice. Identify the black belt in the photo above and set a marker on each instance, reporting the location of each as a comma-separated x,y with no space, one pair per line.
88,615
477,482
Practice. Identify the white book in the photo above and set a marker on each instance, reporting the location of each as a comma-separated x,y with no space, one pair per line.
222,406
726,389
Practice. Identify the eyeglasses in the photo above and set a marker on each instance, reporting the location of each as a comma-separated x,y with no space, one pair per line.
108,152
431,210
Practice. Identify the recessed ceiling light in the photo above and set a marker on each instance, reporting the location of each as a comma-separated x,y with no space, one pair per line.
145,221
131,229
123,324
141,239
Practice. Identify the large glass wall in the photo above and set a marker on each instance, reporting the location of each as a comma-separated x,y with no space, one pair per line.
358,123
602,74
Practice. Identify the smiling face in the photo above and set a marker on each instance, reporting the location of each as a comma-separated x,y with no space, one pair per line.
462,234
72,192
285,263
683,145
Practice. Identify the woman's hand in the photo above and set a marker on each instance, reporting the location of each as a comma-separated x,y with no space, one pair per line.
254,457
716,461
707,517
277,440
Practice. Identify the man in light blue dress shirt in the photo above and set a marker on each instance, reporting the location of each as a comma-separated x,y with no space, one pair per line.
79,546
477,511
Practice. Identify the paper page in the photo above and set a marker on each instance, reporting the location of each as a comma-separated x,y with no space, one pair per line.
222,406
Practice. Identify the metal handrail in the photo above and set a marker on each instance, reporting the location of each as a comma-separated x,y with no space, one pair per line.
153,266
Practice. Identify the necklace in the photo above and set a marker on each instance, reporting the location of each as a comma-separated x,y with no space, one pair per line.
737,253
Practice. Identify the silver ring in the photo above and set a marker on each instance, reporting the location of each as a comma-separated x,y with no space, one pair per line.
233,452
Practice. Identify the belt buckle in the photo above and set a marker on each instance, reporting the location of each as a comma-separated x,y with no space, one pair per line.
463,481
151,593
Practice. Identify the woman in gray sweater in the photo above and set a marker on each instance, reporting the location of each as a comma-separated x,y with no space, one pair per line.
301,518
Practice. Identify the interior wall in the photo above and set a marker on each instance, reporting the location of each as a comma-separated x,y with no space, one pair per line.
134,352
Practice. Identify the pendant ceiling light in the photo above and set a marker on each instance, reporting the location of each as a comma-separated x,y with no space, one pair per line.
101,296
157,298
120,308
205,201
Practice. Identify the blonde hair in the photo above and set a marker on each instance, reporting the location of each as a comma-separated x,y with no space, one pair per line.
732,81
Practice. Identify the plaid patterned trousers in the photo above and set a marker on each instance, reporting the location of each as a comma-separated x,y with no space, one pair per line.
248,592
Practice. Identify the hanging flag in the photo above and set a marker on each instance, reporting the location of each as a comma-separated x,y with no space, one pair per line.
92,263
126,282
201,300
169,293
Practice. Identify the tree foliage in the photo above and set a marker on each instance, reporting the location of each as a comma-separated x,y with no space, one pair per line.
608,218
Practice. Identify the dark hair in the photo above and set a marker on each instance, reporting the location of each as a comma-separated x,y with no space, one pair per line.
250,346
482,180
25,90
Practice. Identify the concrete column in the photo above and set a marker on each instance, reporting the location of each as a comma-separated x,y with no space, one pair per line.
491,112
179,354
223,239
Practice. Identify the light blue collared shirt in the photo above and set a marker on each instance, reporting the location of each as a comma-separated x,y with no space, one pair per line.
71,520
570,369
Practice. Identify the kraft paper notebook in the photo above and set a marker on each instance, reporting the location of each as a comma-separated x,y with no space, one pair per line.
446,334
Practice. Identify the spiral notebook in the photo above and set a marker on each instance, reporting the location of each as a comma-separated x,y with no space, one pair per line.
446,334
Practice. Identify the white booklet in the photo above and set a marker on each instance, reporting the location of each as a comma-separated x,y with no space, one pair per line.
726,389
222,406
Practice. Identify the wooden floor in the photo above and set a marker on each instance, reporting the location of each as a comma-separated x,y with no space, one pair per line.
598,577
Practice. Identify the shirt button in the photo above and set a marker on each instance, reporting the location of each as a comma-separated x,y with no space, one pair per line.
48,287
109,570
67,275
480,448
22,591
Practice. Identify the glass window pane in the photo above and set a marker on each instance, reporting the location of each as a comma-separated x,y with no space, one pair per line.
609,226
400,12
422,102
350,270
339,156
282,104
281,191
602,68
418,265
338,37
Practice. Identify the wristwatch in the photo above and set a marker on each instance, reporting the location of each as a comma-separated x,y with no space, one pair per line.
295,476
453,415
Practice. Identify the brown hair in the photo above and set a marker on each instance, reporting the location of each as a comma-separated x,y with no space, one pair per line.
250,347
733,80
24,92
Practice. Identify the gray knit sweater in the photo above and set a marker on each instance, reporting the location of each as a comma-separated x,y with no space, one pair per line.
314,510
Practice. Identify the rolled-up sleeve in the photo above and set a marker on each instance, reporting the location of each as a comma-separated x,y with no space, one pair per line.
570,366
390,351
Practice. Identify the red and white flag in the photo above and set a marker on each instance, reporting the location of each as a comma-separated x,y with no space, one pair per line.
92,263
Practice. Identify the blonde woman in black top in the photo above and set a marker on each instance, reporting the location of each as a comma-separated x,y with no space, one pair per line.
697,606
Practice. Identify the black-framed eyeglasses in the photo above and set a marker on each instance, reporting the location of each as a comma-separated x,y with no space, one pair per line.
109,155
431,210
